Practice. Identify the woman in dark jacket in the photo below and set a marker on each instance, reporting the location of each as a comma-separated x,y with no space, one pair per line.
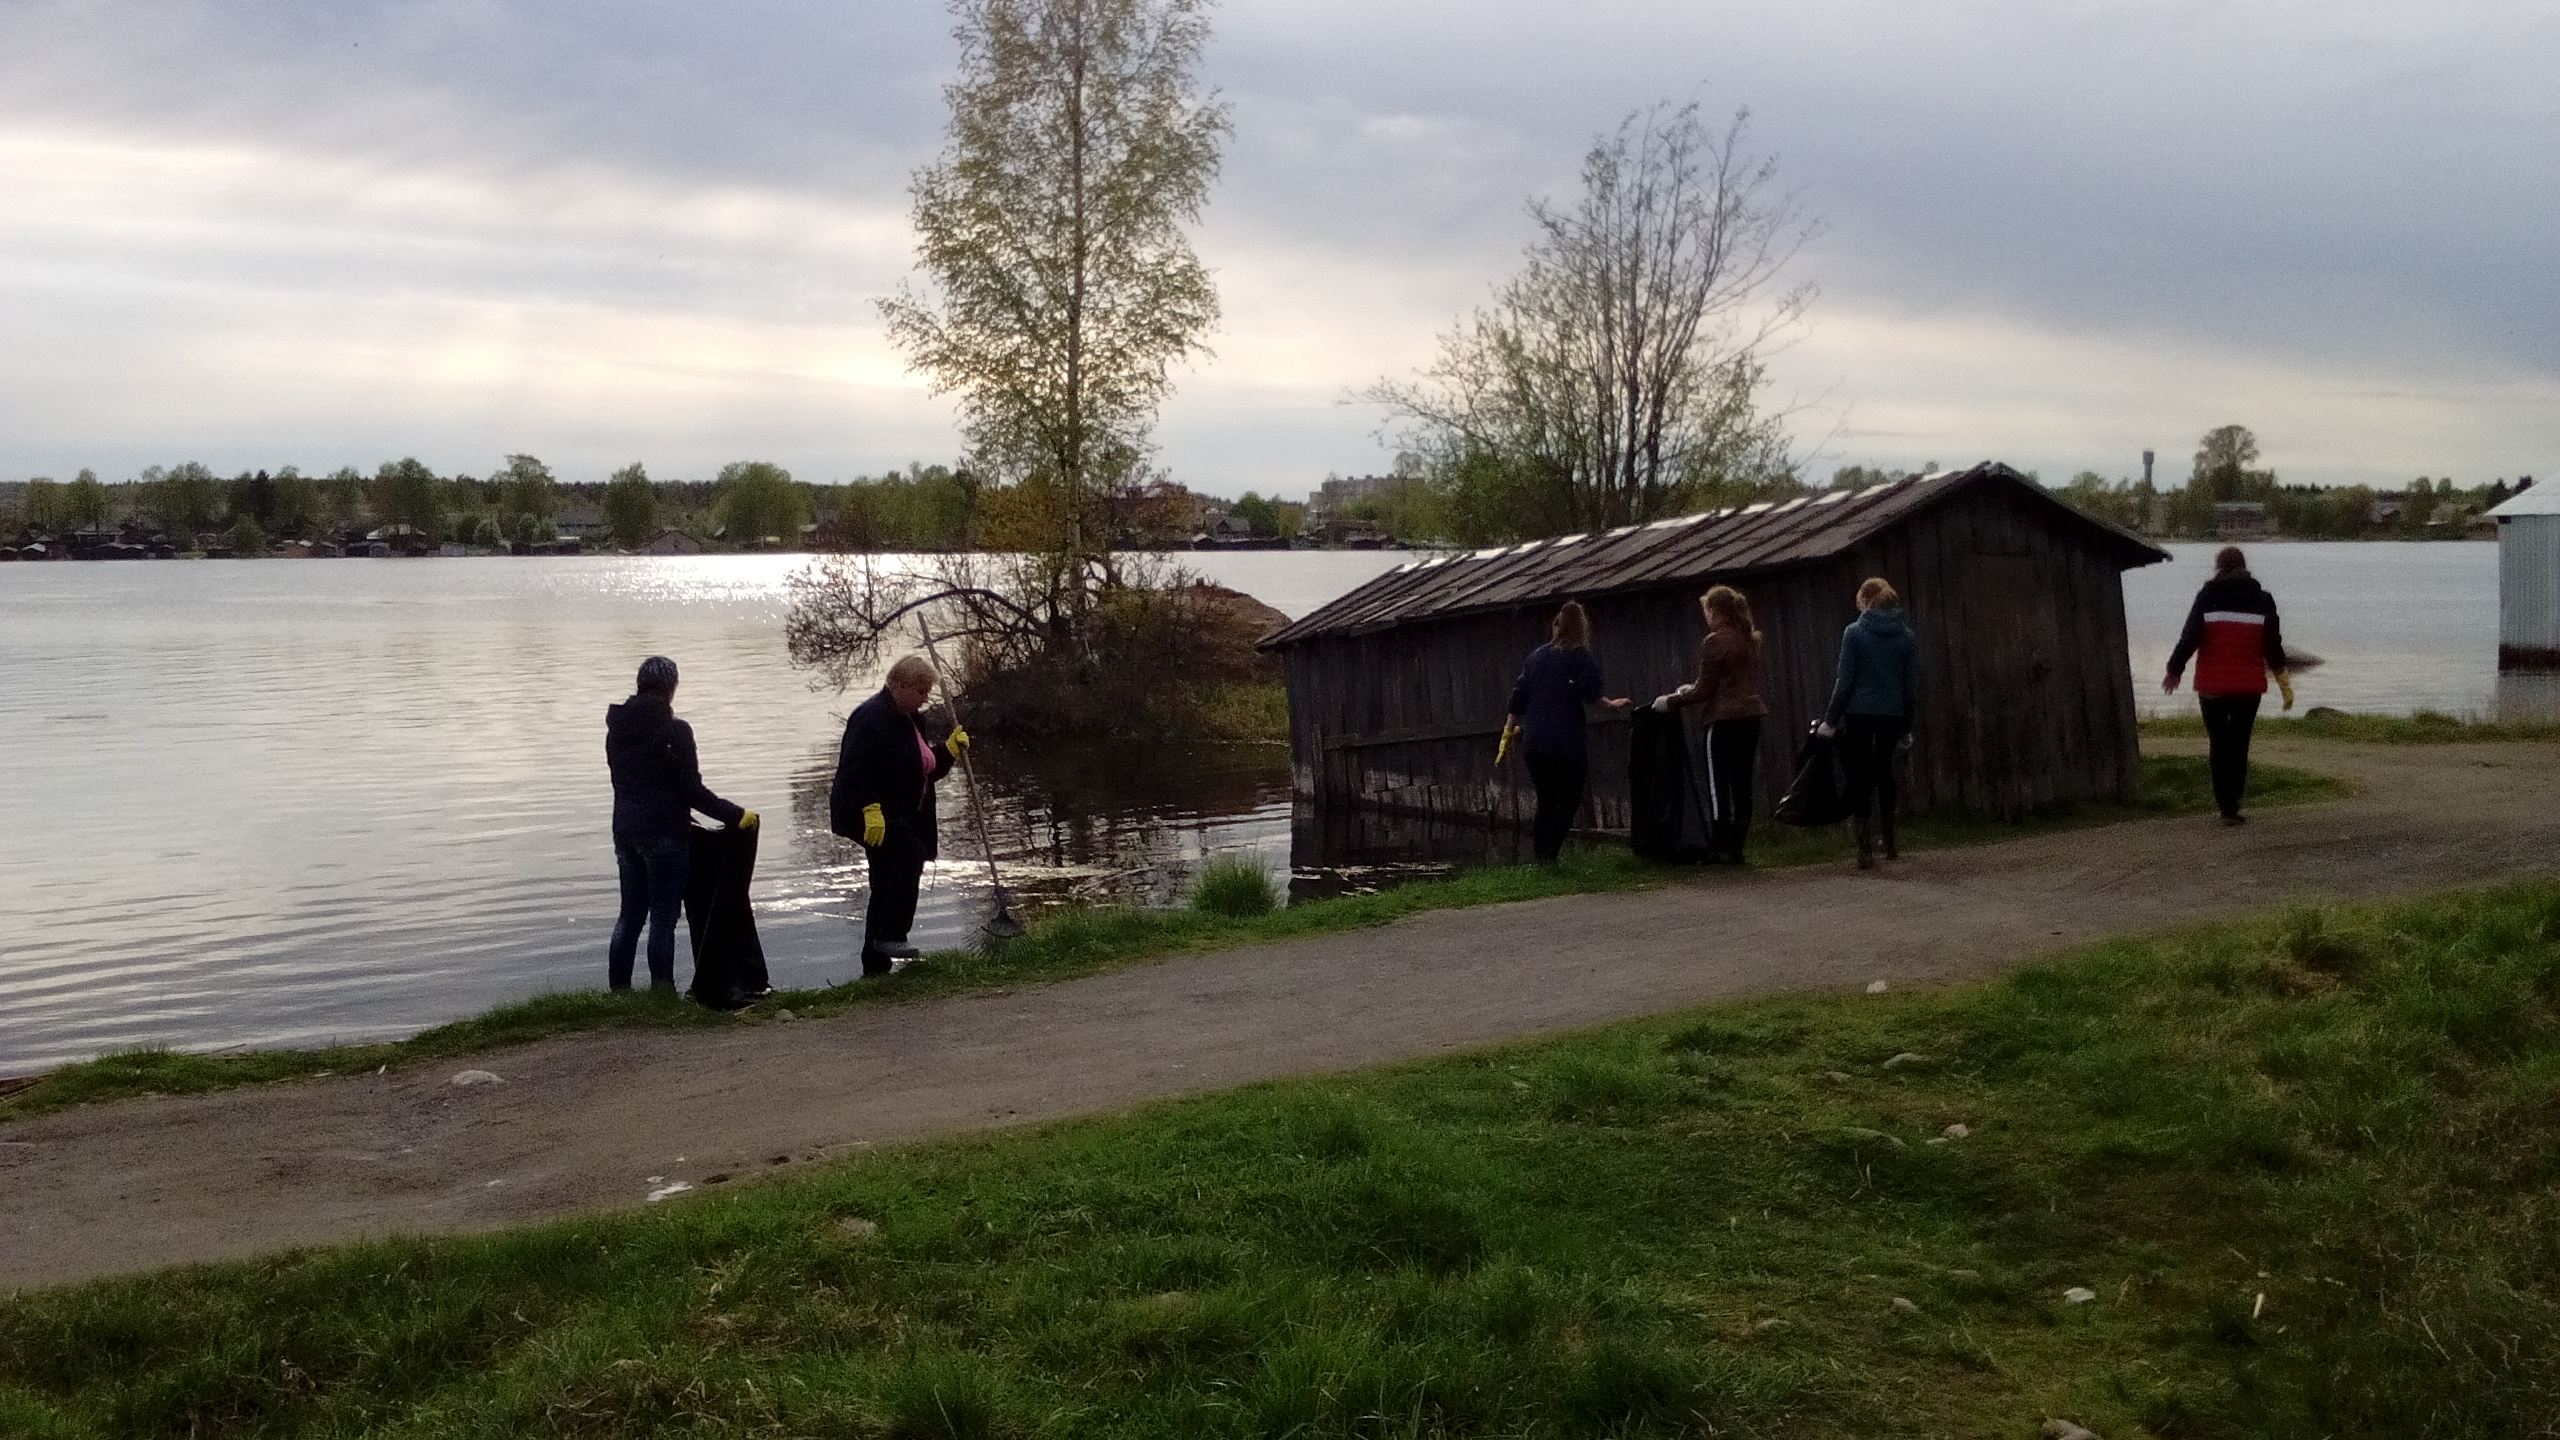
657,785
1557,682
2233,633
1728,688
883,797
1872,698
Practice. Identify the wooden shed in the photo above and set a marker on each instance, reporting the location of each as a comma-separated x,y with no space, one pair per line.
1397,689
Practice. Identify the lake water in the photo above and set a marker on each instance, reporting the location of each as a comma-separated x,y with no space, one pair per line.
264,804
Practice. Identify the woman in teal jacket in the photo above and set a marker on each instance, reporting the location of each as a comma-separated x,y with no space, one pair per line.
1871,704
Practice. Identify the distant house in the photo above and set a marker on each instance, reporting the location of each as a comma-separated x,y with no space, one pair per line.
584,522
1330,498
672,542
2241,520
1353,534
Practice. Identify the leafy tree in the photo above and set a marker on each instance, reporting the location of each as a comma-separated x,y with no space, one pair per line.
1261,517
1615,378
631,505
186,498
298,504
1063,288
43,509
757,501
85,502
406,492
245,539
2222,464
342,496
525,488
252,496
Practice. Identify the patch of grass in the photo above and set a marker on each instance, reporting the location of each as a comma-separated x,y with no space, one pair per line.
2426,727
1076,942
2308,1165
1235,887
1257,713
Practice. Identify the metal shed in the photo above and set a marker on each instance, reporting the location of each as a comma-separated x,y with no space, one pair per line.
2529,579
1397,689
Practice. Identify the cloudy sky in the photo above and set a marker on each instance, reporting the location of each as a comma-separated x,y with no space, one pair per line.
2058,232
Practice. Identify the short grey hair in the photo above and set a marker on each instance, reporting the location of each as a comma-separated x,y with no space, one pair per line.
910,669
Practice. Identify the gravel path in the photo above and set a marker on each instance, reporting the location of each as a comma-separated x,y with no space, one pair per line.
592,1122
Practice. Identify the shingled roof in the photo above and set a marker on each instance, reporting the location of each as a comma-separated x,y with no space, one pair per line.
1766,536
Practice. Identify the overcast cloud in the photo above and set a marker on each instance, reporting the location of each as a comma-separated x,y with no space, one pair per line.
257,233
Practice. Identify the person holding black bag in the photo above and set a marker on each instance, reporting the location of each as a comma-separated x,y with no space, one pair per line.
657,785
883,798
1872,699
1728,688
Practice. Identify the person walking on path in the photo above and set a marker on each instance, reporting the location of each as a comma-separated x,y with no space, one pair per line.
1557,684
1872,699
2236,641
657,785
1728,687
883,798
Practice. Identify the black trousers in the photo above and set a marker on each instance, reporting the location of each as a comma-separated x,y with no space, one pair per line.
1866,763
1559,783
897,874
2228,722
1733,754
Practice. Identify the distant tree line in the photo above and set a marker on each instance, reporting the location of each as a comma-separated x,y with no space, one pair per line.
2225,470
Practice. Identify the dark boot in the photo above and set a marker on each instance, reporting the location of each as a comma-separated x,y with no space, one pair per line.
1892,851
1866,844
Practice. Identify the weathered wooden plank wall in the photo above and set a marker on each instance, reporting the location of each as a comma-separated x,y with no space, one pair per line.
2025,695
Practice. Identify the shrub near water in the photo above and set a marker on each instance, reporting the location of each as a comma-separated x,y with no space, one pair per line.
1233,886
2307,1165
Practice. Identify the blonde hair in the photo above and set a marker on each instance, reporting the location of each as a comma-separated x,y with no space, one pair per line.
1571,629
1730,603
1878,591
910,669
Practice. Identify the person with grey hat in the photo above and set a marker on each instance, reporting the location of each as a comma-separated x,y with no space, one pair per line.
657,785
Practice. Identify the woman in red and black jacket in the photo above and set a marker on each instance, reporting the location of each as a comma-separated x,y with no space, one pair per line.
2237,643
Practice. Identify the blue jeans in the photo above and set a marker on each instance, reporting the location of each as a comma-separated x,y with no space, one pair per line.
652,891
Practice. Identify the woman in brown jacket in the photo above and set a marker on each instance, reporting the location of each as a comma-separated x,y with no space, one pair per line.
1728,685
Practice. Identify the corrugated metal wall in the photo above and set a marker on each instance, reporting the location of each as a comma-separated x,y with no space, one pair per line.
2529,592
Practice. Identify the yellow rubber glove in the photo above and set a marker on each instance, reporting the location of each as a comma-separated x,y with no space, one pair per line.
747,821
958,740
2284,682
1502,751
875,826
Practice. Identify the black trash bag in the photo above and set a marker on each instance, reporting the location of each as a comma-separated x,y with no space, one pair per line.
1665,819
728,958
1814,797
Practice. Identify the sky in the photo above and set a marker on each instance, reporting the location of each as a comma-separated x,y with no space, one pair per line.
2053,232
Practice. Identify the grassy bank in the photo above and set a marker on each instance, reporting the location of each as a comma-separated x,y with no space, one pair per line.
2304,1169
2426,727
1083,942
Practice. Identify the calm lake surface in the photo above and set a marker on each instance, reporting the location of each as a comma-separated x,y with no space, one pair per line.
264,804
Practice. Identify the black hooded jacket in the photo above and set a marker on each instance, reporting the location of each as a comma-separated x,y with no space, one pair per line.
657,778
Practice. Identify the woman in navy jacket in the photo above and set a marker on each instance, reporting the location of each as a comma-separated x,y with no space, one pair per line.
883,797
1557,682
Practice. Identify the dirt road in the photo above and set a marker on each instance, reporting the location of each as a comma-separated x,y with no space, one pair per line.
596,1121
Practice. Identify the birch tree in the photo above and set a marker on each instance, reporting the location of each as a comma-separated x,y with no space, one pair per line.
1617,377
1062,287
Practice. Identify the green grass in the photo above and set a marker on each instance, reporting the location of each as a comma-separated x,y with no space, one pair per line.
1233,886
1068,944
2426,727
2308,1165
